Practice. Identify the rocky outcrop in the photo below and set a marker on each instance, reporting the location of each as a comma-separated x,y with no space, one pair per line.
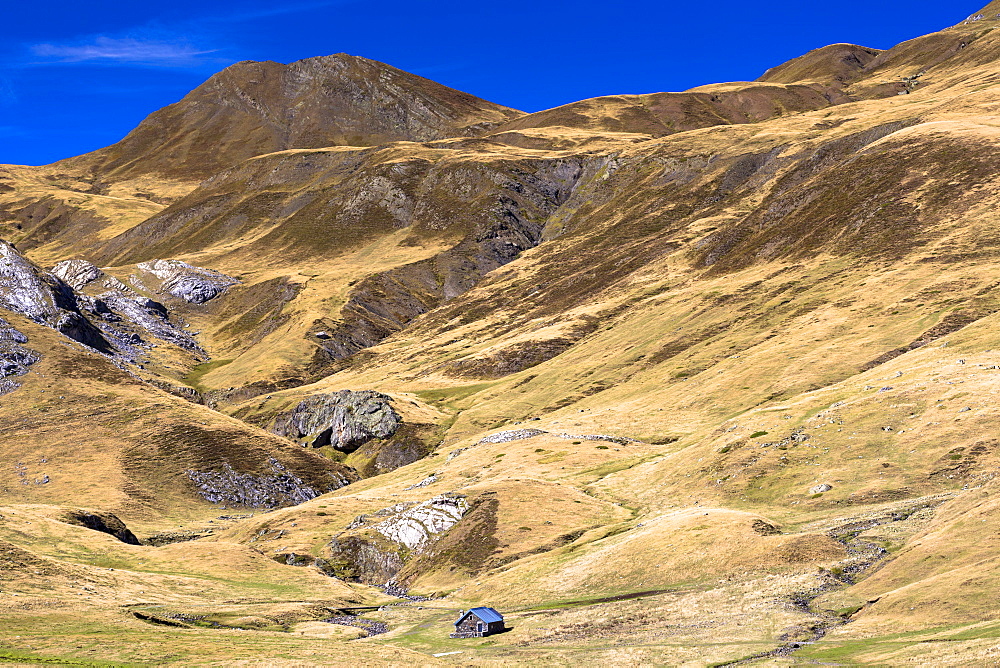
26,289
14,361
114,322
417,526
356,559
280,488
195,285
509,215
374,553
10,335
345,419
76,273
143,316
117,322
103,522
14,358
79,274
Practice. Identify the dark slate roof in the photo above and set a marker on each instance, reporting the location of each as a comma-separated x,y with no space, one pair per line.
488,615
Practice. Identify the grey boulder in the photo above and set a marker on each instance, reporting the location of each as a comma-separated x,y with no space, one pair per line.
345,419
195,285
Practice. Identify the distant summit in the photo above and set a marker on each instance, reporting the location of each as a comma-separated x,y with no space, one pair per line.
829,64
252,108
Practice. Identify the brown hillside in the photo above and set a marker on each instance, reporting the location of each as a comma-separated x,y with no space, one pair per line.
253,108
701,378
660,114
94,435
836,63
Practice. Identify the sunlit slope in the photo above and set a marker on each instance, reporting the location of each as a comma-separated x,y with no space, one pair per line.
252,108
707,376
58,212
660,114
83,432
248,109
356,242
795,320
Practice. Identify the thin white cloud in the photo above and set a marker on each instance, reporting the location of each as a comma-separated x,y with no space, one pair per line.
126,51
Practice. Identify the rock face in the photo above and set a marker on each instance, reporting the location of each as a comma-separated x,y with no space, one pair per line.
26,289
144,316
76,273
507,217
375,553
416,526
103,522
195,285
10,335
123,315
281,488
115,322
345,419
14,358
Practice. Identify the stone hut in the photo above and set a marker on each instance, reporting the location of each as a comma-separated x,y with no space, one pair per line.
478,622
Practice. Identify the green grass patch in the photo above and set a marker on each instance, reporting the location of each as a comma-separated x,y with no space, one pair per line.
616,466
193,379
846,651
452,394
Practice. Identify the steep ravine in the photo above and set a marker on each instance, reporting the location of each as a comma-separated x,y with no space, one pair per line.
515,220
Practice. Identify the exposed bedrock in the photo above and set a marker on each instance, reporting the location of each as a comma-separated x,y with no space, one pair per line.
375,548
195,285
114,322
279,487
146,317
103,522
78,274
117,322
40,296
14,358
345,420
518,203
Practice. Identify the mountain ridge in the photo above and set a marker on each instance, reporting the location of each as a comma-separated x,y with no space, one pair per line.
704,377
256,107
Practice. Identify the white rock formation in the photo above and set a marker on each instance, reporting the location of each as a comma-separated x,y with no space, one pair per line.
193,284
418,525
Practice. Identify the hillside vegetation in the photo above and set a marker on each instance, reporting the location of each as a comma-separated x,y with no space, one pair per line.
690,378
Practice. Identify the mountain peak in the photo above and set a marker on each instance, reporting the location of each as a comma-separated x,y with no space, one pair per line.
257,107
990,12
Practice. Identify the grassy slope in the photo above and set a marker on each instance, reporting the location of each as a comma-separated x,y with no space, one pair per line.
773,337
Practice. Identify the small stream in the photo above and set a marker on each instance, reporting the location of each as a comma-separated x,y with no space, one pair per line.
863,556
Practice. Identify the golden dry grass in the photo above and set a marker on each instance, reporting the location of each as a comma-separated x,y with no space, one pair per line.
749,360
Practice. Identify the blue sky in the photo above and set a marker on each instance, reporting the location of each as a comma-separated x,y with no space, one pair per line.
76,76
